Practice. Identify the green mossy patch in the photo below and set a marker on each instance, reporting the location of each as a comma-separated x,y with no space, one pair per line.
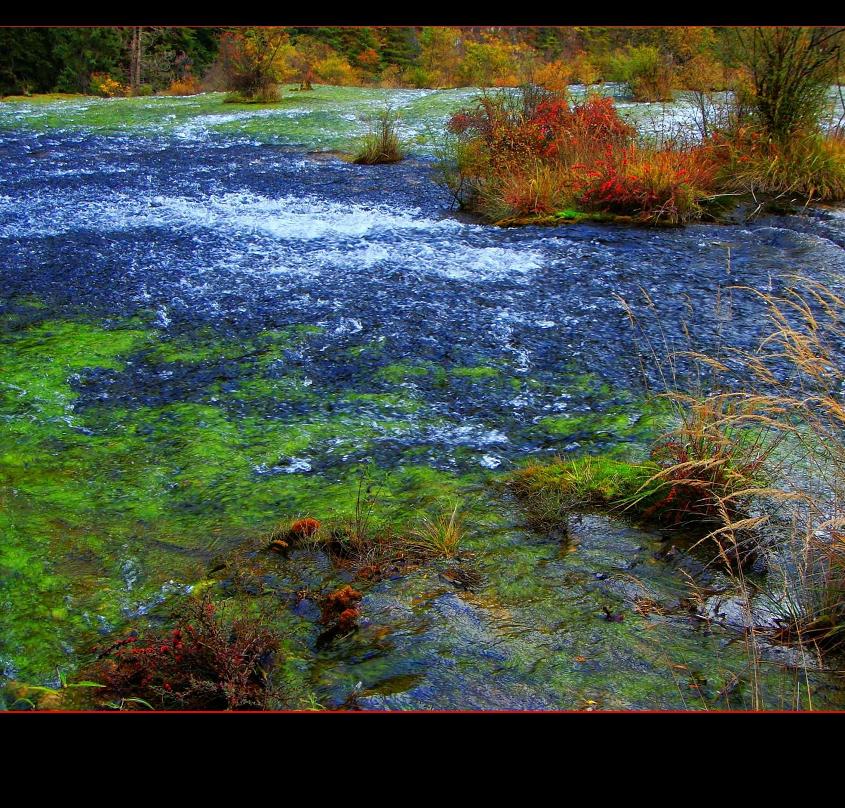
551,490
476,373
106,509
328,118
402,374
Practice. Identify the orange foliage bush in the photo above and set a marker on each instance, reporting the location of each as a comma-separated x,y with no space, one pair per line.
657,186
553,76
583,69
187,85
539,189
335,69
303,528
339,610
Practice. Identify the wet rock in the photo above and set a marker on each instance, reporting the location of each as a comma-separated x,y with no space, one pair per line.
733,611
461,577
682,560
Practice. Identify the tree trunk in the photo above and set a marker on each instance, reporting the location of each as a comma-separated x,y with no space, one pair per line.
135,60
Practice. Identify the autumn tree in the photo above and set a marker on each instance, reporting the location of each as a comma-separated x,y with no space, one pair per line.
495,62
442,50
255,61
791,71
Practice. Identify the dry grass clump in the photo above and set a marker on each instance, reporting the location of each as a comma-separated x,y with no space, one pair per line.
371,541
755,467
767,463
810,165
186,85
713,462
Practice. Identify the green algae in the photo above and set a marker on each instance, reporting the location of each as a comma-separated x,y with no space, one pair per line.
110,511
373,349
88,492
476,373
569,425
402,374
326,118
615,421
550,490
205,345
40,387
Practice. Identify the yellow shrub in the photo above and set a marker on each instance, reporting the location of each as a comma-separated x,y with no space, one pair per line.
187,85
103,84
553,76
583,70
334,69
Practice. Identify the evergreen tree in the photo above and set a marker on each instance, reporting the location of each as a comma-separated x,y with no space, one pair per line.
27,63
401,46
83,51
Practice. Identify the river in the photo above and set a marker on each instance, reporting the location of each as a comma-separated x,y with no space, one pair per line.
210,323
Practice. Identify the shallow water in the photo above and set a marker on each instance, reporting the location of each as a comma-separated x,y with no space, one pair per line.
206,329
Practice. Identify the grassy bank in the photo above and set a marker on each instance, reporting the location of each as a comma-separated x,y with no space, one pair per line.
757,473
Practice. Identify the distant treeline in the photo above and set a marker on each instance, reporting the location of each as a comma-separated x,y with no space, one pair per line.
143,60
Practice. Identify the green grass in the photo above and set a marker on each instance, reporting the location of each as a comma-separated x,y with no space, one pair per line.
549,491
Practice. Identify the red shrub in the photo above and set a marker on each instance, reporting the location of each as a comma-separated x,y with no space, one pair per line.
303,528
657,186
204,663
341,607
545,154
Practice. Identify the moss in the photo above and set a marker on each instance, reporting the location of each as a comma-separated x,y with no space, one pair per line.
477,373
588,482
570,216
38,363
205,345
617,421
291,388
374,348
106,509
569,425
401,374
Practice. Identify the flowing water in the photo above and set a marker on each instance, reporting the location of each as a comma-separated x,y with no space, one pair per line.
207,327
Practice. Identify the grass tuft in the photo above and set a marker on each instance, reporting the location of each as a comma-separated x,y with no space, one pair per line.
441,536
381,144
